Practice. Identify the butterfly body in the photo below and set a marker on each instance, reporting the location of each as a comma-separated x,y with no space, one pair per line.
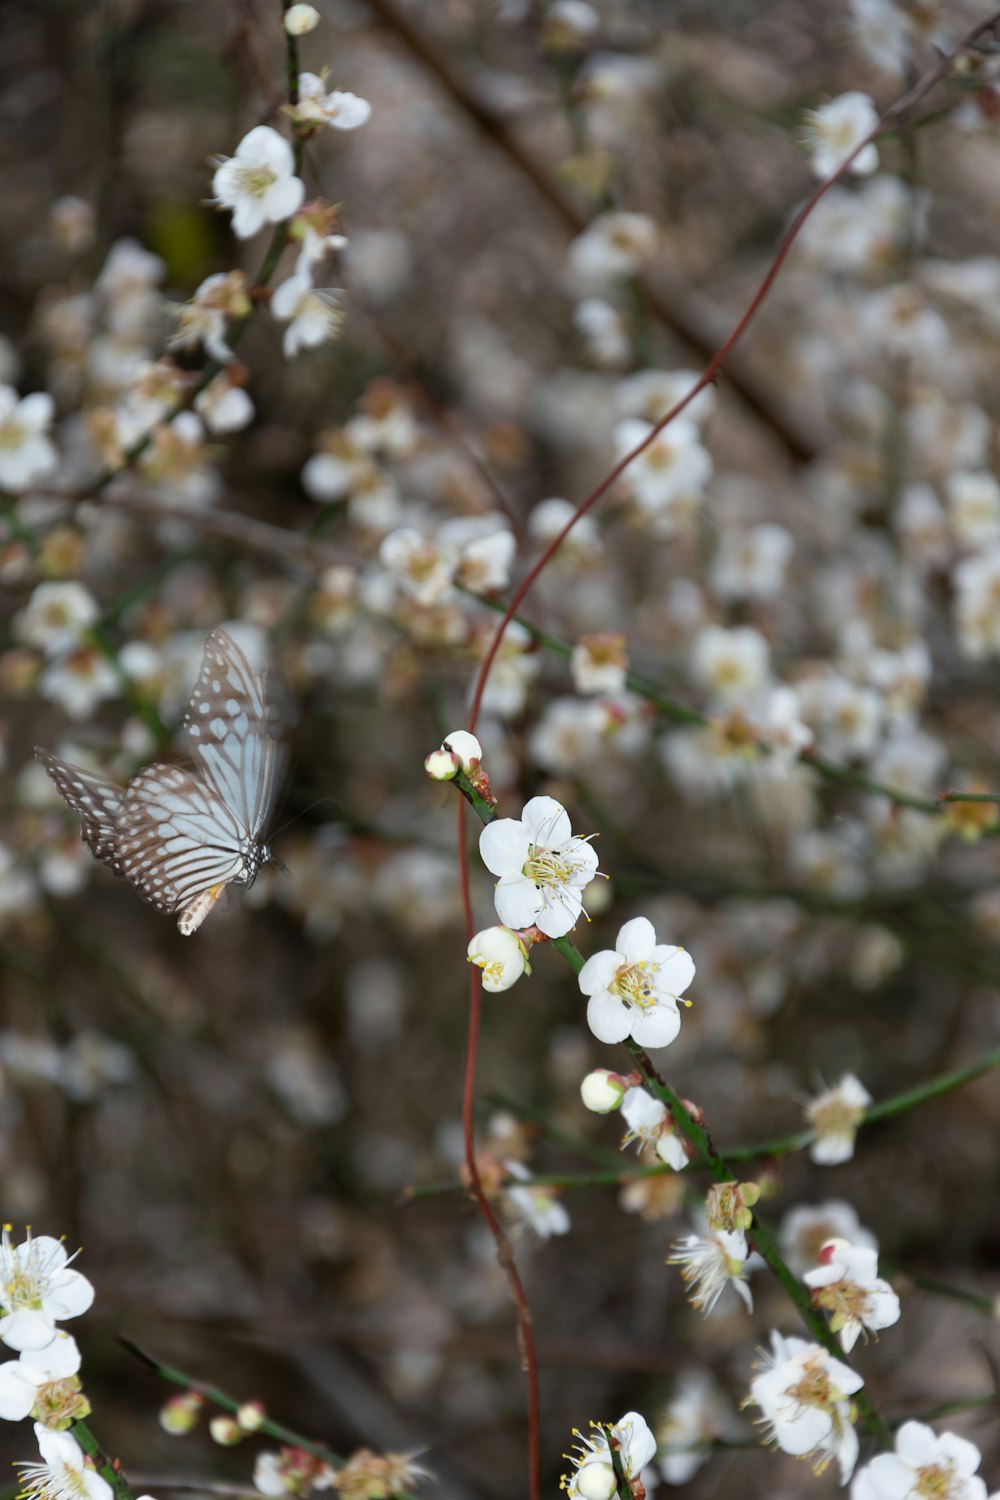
180,835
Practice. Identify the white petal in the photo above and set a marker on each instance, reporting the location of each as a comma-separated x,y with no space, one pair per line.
26,1329
69,1295
598,972
657,1027
517,902
608,1018
675,969
504,845
636,940
266,146
17,1392
283,198
547,822
556,919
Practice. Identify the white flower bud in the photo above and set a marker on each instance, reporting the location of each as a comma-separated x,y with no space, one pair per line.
225,1431
596,1481
301,19
502,957
466,747
441,765
602,1091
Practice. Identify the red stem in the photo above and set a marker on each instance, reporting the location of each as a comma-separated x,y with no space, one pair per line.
715,364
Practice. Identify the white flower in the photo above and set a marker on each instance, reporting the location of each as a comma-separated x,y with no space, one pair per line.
836,128
670,474
615,245
537,1206
79,681
805,1230
301,19
423,568
259,184
835,1116
709,1263
697,1413
732,665
923,1464
543,869
203,319
312,316
650,1124
341,110
26,453
38,1288
57,616
847,1285
599,663
593,1476
973,507
502,957
602,1091
634,988
751,563
63,1473
224,407
805,1405
33,1382
604,332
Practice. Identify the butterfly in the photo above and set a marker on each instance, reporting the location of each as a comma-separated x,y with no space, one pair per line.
180,835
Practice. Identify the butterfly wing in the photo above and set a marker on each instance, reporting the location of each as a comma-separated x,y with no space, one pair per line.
176,838
226,732
97,800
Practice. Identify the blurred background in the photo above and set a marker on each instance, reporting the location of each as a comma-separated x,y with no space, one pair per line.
229,1124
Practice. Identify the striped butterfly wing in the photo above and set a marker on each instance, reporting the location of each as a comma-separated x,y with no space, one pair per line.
97,800
226,732
176,838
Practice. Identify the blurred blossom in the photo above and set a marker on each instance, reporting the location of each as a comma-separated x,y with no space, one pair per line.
258,184
26,452
834,130
834,1116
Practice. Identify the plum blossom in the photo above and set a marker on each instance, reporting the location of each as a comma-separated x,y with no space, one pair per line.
57,616
593,1476
805,1230
26,451
615,245
834,130
41,1382
634,988
312,316
37,1289
846,1284
501,956
259,183
543,868
535,1205
63,1474
602,1091
804,1397
711,1262
649,1122
835,1115
300,19
923,1464
697,1413
341,110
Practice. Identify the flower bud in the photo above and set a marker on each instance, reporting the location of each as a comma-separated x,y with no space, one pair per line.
465,745
602,1091
441,765
180,1414
301,19
251,1416
596,1481
225,1432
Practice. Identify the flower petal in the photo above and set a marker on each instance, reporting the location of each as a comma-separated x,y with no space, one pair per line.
504,845
547,822
636,940
608,1018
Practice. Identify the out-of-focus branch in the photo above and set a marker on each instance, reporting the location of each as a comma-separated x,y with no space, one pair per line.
671,307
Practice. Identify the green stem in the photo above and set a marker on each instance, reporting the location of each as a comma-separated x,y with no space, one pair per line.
104,1466
220,1398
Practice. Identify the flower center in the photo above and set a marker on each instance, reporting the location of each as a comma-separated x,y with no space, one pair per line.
937,1482
51,1482
545,867
633,984
255,179
12,435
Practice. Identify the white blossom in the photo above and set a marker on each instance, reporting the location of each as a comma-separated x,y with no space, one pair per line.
259,183
923,1464
836,128
711,1262
634,989
341,110
543,868
57,617
313,317
501,956
26,451
33,1382
593,1476
835,1115
846,1284
38,1288
536,1205
804,1398
64,1473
